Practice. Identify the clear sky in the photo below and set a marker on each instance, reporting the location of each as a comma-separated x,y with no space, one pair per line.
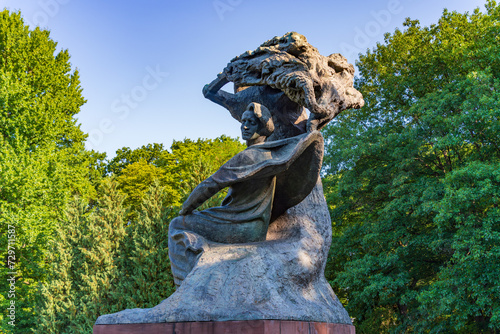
144,63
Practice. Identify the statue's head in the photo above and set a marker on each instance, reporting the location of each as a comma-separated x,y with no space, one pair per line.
256,123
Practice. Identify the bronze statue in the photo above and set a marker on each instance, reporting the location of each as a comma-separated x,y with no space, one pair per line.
262,253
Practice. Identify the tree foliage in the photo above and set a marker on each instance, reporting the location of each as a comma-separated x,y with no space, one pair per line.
42,158
136,178
413,181
179,170
125,156
84,264
145,275
101,264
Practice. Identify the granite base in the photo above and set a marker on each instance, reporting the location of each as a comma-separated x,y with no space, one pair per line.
228,327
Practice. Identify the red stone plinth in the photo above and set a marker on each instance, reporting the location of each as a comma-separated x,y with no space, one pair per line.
229,327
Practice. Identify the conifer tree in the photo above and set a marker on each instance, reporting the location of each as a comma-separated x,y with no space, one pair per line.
84,265
144,266
103,263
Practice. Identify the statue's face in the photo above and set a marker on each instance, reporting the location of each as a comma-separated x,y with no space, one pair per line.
250,125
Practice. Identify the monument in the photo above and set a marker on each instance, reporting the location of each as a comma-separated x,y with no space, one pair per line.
257,261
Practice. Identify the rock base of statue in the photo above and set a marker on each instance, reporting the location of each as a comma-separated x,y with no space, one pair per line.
216,327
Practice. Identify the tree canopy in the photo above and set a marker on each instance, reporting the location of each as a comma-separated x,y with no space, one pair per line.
42,157
413,181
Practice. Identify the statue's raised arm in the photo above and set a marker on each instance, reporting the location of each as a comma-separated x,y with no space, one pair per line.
290,65
213,92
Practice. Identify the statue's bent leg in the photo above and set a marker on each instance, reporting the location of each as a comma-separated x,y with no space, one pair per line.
188,234
181,250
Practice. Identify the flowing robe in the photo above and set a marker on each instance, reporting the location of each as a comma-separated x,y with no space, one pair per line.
264,181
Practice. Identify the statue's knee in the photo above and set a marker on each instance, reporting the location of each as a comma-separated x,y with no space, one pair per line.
175,223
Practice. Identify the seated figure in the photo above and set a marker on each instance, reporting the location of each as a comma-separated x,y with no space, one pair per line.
247,210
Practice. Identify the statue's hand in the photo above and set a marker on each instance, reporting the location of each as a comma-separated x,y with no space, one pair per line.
184,212
205,90
186,209
215,85
199,195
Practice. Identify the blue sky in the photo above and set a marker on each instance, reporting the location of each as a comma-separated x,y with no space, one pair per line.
143,64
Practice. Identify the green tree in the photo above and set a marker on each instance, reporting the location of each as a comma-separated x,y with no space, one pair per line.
125,156
101,264
84,264
136,178
412,181
145,275
42,157
97,168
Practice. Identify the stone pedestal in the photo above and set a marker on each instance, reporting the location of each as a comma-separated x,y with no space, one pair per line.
228,327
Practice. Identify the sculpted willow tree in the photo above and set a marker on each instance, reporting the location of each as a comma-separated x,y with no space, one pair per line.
413,181
42,159
261,253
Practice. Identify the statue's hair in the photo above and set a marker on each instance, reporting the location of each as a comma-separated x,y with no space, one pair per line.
264,116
